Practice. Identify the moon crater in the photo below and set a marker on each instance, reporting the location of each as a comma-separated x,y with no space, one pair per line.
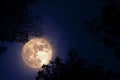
37,52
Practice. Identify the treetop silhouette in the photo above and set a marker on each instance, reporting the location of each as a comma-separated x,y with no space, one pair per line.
107,26
79,69
16,25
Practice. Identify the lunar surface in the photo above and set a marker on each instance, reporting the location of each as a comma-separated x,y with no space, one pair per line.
37,52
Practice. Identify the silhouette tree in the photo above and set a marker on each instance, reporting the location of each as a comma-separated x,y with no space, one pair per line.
16,25
75,69
107,26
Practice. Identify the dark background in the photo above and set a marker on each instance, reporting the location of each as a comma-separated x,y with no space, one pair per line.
64,27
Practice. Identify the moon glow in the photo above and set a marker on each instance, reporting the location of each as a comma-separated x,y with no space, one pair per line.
37,52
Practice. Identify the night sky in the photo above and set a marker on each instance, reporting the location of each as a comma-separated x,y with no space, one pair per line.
64,27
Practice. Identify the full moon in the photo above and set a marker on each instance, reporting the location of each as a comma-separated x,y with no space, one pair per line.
37,52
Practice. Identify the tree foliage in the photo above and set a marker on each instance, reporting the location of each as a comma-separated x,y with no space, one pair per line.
107,26
75,69
15,23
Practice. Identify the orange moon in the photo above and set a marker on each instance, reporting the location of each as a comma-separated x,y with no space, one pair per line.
37,52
